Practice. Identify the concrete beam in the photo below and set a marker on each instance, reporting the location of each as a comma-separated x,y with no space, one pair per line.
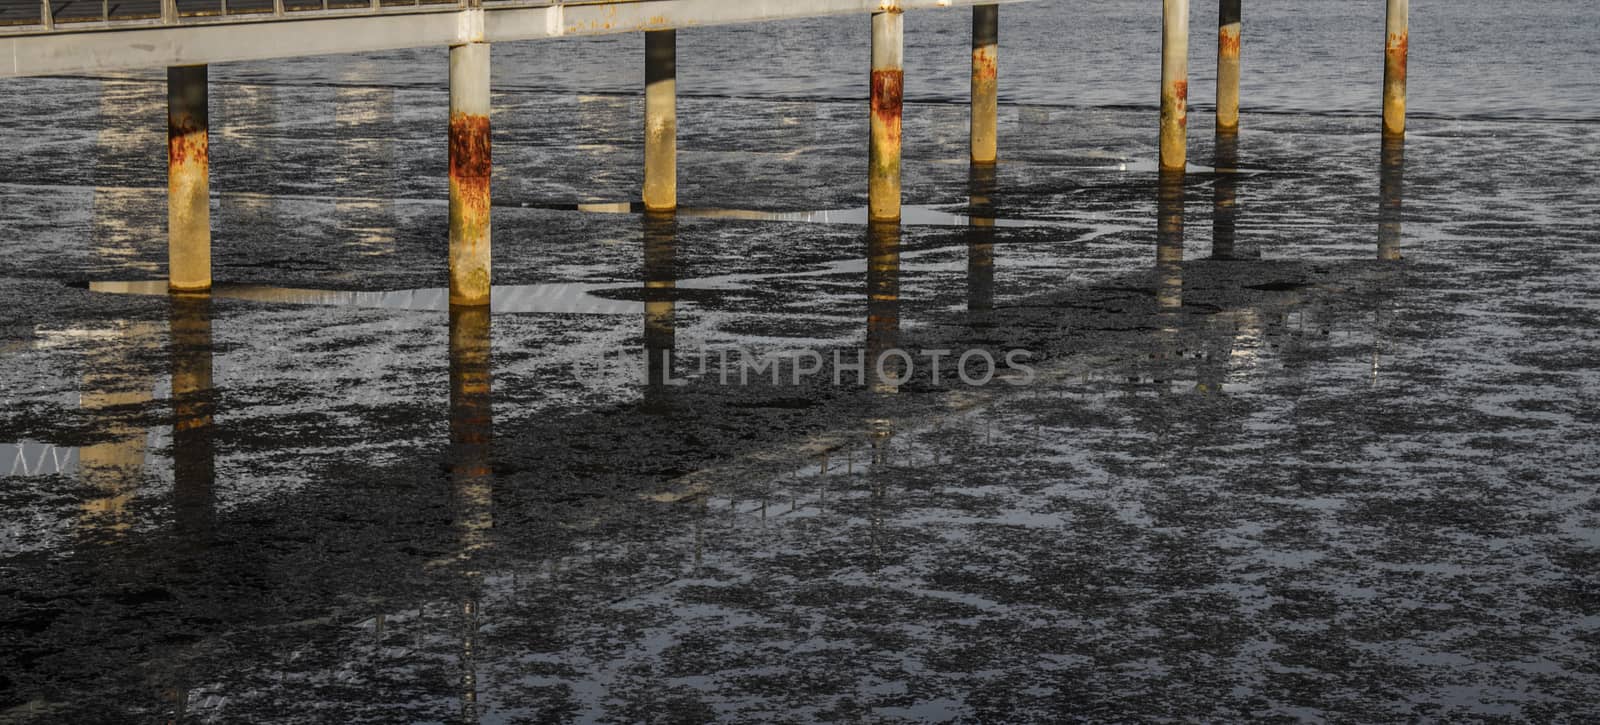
103,47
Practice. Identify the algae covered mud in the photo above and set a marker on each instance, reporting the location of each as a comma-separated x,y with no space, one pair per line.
1311,432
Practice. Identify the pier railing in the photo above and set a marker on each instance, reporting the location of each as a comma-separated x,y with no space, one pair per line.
49,37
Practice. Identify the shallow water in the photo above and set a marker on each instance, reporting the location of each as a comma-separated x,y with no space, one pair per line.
1334,460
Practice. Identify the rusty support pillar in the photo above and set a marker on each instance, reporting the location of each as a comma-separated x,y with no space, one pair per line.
985,84
1174,83
188,180
1229,25
1394,68
470,167
888,81
661,120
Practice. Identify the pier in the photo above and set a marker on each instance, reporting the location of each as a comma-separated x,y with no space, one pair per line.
67,37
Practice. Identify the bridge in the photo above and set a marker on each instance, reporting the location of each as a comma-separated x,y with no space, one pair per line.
82,36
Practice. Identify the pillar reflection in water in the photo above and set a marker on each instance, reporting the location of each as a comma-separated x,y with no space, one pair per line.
114,390
1169,241
364,116
885,364
1391,183
1224,197
471,421
980,238
194,404
471,474
660,281
123,140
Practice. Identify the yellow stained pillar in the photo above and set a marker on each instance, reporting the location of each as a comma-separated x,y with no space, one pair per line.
470,168
661,120
1394,68
1229,25
188,180
1174,84
985,83
888,82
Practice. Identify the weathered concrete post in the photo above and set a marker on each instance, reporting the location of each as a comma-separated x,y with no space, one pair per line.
985,84
1391,187
1229,24
470,167
188,180
1394,68
888,82
1174,83
661,120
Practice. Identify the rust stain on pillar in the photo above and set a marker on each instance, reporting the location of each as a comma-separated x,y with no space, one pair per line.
188,180
1394,68
471,165
1229,28
1174,83
661,120
888,82
985,83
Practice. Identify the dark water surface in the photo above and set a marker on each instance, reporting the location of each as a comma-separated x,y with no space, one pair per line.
1313,435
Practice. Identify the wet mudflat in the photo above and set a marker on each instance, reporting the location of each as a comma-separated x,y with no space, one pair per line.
1327,450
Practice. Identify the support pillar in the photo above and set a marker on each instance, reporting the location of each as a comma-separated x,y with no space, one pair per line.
1394,68
188,180
661,120
1229,24
985,86
1174,84
888,81
470,167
